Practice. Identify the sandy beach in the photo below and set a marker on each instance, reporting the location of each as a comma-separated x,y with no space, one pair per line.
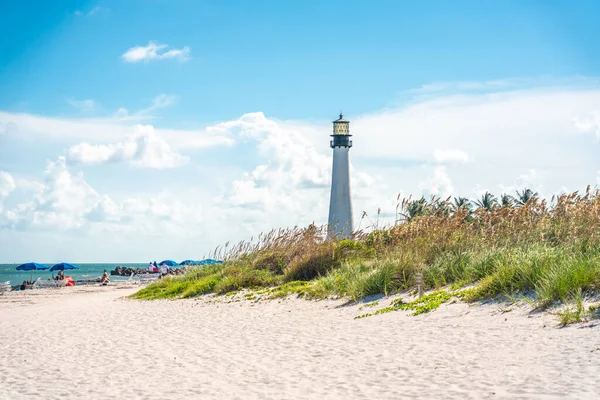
91,342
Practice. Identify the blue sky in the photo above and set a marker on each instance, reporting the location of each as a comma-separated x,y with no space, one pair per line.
291,59
156,114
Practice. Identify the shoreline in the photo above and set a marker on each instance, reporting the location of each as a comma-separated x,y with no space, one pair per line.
107,346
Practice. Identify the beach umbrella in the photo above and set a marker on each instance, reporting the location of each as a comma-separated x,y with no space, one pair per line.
209,261
170,263
188,262
31,266
62,266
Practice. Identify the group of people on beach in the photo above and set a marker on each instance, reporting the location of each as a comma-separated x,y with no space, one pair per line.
162,269
104,280
153,268
29,285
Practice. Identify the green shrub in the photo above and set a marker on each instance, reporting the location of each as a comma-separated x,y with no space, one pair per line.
311,265
201,286
237,278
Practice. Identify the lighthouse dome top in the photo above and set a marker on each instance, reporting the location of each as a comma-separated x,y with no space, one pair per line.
341,120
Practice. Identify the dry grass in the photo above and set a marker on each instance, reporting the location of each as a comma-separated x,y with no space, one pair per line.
550,249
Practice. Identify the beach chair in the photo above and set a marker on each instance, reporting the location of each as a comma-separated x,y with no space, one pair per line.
147,278
49,283
5,287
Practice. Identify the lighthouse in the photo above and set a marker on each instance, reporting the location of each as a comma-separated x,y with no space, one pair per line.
340,203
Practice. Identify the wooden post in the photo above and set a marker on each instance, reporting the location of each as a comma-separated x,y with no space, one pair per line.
419,278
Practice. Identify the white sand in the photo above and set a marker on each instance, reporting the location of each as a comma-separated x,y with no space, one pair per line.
89,343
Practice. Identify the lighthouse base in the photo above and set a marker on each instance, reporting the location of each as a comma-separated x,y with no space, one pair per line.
340,221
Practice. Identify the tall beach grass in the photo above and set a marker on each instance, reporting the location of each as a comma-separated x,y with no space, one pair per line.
523,244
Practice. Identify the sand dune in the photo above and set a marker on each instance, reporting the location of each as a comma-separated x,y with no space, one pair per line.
91,343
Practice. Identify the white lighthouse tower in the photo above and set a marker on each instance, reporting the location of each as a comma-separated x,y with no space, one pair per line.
341,223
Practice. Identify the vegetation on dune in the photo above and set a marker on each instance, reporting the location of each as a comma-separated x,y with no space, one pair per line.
504,246
421,305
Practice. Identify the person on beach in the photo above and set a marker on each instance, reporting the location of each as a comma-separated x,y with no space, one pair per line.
26,285
164,270
60,276
150,267
105,278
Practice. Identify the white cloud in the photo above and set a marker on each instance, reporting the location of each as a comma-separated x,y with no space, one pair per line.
29,185
531,179
450,156
439,184
292,166
465,86
143,149
6,127
290,185
121,113
276,173
30,128
83,105
7,185
66,202
589,123
160,101
478,191
62,203
153,51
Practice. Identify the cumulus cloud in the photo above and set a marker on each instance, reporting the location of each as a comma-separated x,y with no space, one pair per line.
290,184
450,156
29,185
292,165
66,202
589,123
439,184
37,128
143,149
276,173
7,185
530,179
155,51
61,204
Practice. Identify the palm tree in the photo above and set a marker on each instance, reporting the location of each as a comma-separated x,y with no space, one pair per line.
524,196
415,208
507,201
461,202
440,207
488,202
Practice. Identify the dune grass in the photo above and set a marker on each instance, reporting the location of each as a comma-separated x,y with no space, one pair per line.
550,251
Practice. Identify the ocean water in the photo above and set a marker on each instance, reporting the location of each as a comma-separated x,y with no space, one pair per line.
85,272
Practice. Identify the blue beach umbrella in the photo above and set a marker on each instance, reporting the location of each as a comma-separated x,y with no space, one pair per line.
62,266
209,261
170,263
31,266
188,262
